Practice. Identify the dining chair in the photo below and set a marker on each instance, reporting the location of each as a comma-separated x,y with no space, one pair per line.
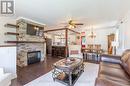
97,51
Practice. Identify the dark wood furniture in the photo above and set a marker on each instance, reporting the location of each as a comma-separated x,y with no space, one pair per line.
58,51
67,71
111,38
24,42
11,33
11,25
92,52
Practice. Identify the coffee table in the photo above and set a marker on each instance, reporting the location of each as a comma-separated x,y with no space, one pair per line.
68,70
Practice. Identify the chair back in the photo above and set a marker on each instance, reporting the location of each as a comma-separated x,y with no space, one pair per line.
75,51
97,46
90,46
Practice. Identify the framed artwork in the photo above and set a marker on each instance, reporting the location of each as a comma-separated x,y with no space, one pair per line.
83,41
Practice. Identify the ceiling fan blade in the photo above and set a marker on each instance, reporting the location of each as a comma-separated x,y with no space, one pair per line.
79,24
63,23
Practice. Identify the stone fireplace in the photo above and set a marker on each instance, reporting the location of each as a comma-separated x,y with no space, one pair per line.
24,48
30,49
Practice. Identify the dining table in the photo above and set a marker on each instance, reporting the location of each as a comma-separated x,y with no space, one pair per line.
93,54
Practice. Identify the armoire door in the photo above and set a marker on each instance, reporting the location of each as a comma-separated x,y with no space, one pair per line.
111,38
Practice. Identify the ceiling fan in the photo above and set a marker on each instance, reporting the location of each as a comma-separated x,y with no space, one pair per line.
71,24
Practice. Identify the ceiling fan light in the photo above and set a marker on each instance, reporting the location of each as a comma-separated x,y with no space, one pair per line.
71,27
36,28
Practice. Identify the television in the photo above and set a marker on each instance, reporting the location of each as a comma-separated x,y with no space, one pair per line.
34,30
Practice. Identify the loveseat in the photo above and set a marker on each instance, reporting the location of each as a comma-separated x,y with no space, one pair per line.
114,70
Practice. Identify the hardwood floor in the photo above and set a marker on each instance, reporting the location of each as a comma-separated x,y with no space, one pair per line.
31,72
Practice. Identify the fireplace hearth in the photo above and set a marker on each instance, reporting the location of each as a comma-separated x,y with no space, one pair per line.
33,57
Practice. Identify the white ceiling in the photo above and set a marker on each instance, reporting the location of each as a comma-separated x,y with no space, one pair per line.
51,12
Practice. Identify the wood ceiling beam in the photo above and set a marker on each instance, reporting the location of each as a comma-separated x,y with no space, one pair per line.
61,29
54,30
74,31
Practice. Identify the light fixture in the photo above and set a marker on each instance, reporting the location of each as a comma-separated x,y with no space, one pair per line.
92,34
71,26
36,28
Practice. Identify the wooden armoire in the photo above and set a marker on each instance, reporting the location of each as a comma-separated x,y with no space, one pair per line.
111,38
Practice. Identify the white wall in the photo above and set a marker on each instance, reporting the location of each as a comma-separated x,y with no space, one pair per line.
124,34
72,38
101,37
8,59
7,54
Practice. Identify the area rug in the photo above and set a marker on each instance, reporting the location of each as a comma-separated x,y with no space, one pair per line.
86,79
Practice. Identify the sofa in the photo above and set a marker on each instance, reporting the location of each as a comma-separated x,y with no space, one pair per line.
114,70
5,78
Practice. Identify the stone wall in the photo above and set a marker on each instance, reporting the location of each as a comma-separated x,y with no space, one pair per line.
24,48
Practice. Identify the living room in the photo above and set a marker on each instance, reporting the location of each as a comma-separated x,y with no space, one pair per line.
64,43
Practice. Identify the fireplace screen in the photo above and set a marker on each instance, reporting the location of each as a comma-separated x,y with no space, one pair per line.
34,57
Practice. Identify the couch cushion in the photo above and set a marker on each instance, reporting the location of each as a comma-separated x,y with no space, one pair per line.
110,65
111,58
114,72
125,56
126,61
114,78
108,82
127,68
